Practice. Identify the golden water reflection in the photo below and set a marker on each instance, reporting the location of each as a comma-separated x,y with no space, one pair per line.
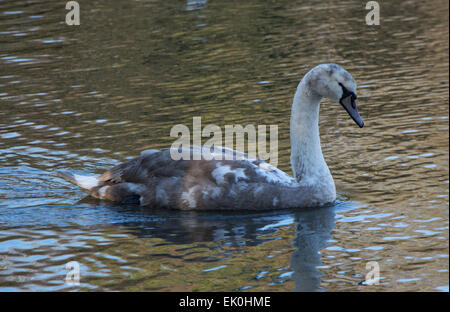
85,98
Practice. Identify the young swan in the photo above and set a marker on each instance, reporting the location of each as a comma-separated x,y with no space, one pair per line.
155,179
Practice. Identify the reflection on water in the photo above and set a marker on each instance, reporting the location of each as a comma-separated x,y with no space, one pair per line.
162,243
85,98
313,231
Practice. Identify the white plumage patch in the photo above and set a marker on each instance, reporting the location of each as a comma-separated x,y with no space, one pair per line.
239,173
220,172
274,175
102,191
189,196
87,182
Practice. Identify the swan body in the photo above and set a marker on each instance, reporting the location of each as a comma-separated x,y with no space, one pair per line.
237,182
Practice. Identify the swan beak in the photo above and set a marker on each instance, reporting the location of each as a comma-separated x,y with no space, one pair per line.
349,104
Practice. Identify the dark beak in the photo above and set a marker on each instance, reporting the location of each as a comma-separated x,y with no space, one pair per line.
348,101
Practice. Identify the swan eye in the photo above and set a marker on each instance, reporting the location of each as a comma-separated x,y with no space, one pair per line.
346,93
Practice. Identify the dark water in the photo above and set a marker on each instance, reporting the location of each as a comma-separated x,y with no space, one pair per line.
87,97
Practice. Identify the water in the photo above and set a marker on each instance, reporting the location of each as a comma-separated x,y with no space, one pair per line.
90,96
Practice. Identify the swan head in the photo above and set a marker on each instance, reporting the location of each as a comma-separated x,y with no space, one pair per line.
335,83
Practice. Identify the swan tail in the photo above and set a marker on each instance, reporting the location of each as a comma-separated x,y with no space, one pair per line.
126,193
67,176
86,182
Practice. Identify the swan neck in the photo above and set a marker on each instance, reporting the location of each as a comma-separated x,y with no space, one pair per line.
308,164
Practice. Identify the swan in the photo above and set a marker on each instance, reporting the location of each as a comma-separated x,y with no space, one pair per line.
155,179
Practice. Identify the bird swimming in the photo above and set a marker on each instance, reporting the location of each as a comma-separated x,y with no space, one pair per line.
236,182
